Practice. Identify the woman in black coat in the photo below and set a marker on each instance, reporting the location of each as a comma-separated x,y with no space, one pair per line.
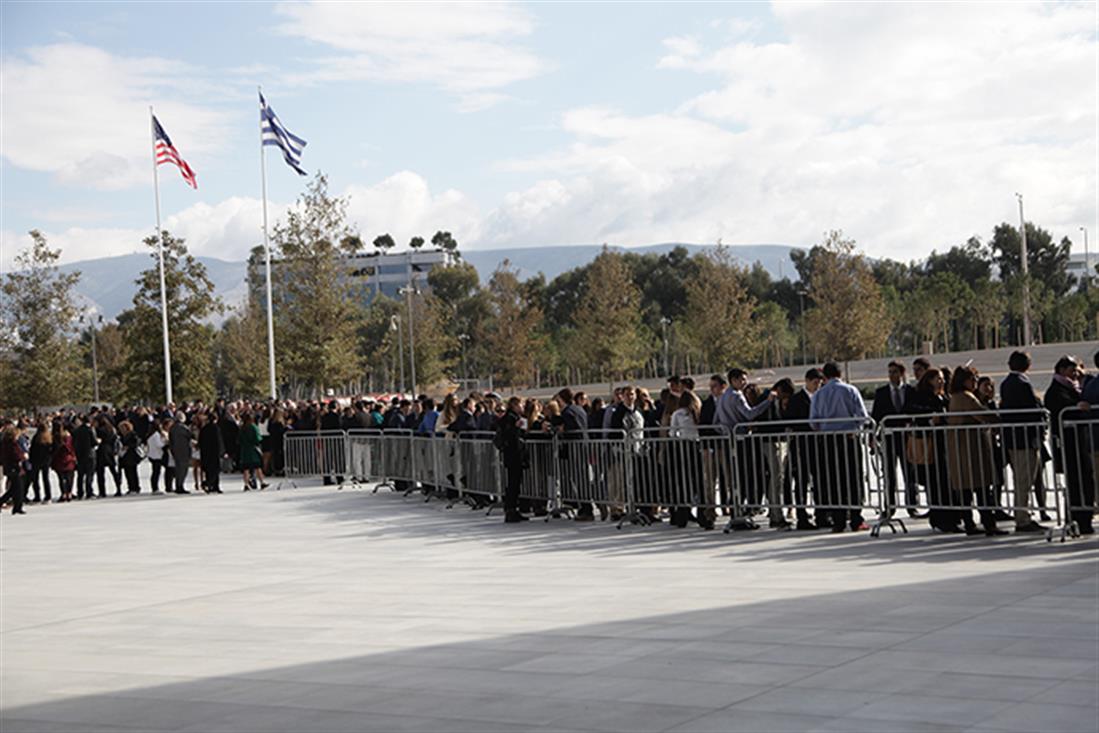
211,448
1071,454
926,451
130,455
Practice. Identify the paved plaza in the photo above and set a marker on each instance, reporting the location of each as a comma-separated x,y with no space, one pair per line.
312,609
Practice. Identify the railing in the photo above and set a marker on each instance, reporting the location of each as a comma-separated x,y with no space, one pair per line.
944,465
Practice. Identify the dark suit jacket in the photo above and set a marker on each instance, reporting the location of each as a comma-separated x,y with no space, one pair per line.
1018,394
211,447
883,405
84,446
179,444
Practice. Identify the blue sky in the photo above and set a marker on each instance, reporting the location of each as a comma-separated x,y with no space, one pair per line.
908,126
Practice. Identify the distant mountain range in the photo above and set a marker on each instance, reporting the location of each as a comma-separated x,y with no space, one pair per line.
107,283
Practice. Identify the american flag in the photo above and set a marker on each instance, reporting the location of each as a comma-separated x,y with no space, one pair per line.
167,153
274,133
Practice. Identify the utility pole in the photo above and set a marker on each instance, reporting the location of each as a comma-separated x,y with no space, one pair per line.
395,325
463,338
1026,273
801,301
664,322
1087,259
92,320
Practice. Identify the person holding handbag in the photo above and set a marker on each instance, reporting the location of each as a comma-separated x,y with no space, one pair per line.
925,450
130,456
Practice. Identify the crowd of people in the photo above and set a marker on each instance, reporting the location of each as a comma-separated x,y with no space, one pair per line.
89,452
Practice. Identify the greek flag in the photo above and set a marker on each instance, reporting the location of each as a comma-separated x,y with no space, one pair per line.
275,134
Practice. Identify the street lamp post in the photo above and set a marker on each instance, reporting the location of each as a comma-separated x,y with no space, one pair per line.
1087,259
801,306
463,338
92,321
395,325
408,292
664,323
1026,274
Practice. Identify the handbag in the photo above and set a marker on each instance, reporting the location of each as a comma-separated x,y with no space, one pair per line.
919,450
226,464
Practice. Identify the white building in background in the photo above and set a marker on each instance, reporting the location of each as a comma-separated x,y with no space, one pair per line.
388,273
1077,267
374,273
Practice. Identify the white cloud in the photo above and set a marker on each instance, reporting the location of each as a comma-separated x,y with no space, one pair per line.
469,50
403,206
81,113
907,125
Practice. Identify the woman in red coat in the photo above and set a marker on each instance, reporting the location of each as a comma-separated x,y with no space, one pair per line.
64,460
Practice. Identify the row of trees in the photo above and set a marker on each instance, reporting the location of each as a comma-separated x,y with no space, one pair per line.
622,314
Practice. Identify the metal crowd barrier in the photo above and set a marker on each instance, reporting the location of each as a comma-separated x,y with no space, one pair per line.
316,453
954,462
780,464
1076,461
671,468
842,470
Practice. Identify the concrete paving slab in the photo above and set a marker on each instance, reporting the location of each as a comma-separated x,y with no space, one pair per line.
314,609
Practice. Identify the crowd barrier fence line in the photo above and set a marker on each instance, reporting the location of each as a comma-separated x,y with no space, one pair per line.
1076,445
938,462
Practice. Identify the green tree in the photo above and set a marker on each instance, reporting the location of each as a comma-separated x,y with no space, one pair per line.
776,338
987,309
416,242
1047,260
849,318
719,319
608,333
445,242
37,315
241,362
191,305
383,242
462,305
111,357
316,311
513,334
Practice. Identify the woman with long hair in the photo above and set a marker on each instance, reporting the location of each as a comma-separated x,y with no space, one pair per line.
925,449
130,455
159,455
276,430
687,463
969,455
106,456
41,454
251,460
64,460
13,459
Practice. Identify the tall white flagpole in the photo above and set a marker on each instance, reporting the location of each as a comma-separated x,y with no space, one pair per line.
267,265
160,259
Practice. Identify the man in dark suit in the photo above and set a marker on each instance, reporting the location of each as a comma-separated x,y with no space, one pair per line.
1023,437
889,401
84,444
179,444
332,422
801,448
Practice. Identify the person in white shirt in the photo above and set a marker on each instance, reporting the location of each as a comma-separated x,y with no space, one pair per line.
687,464
156,444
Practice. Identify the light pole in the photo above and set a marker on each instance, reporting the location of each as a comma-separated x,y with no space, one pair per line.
1087,259
664,323
395,325
801,306
408,292
1026,274
463,338
92,321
